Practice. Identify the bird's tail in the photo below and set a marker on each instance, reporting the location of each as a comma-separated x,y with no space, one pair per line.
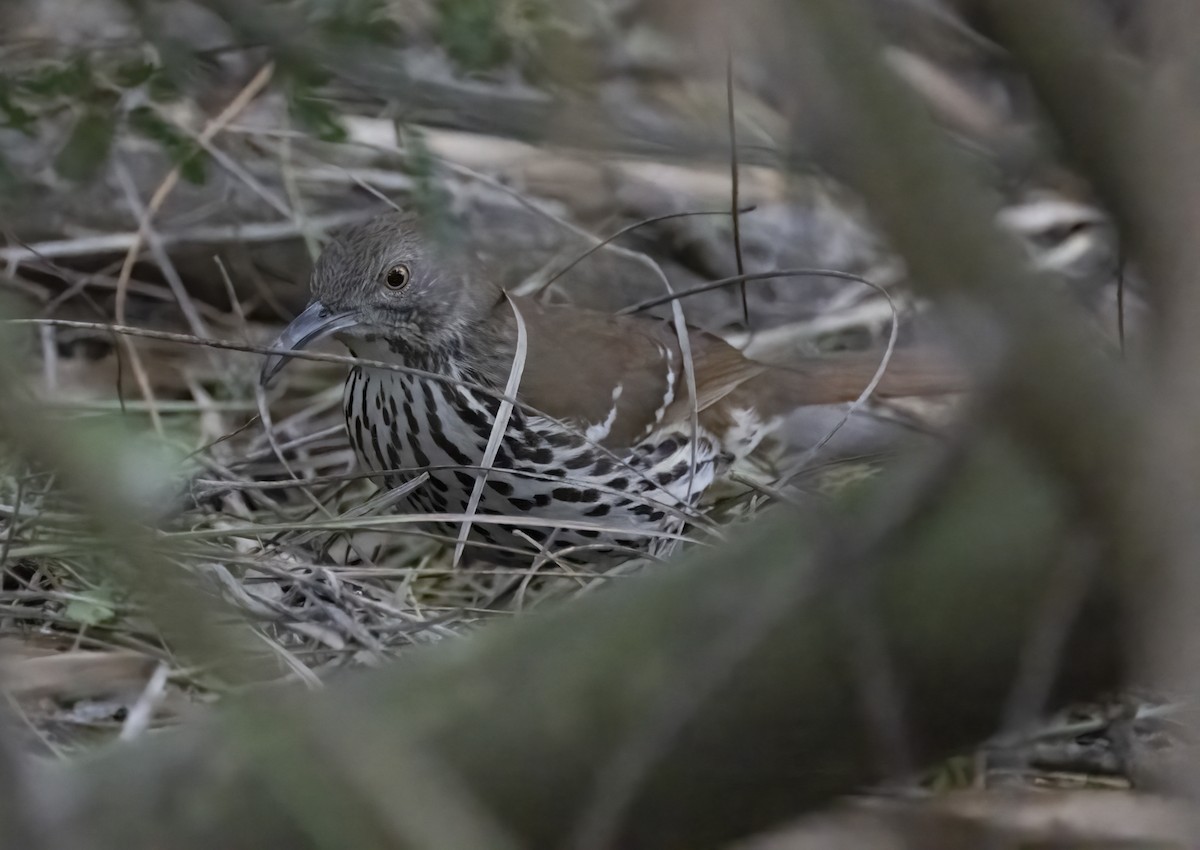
837,378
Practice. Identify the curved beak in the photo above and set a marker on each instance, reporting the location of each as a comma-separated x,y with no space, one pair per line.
316,322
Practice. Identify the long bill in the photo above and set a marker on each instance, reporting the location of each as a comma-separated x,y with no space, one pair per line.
316,322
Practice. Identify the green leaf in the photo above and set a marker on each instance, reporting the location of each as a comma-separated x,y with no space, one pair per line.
429,195
470,32
163,87
93,607
15,115
315,115
182,151
132,74
88,147
73,79
953,774
355,20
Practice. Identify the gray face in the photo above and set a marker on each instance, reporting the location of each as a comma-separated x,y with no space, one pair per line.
387,279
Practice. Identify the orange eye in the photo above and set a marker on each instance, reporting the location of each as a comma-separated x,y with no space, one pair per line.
398,277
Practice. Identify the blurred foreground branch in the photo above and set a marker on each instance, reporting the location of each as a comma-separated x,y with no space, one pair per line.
524,718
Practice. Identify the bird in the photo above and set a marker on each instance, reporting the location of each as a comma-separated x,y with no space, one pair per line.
605,450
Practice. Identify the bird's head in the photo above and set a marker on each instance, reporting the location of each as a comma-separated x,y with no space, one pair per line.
388,283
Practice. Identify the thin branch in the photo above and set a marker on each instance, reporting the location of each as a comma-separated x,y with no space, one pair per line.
629,229
734,185
741,278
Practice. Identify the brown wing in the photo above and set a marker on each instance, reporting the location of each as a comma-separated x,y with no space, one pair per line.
627,372
582,366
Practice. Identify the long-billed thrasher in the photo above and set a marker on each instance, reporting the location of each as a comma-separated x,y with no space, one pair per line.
598,455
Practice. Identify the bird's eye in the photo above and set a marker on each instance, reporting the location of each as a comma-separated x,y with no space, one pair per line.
398,277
